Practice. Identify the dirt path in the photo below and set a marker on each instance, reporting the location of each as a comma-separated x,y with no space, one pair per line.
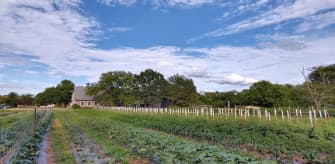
49,151
46,152
58,146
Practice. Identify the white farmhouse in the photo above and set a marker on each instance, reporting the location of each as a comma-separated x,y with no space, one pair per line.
80,97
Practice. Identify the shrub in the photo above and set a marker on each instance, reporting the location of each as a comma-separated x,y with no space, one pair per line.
75,106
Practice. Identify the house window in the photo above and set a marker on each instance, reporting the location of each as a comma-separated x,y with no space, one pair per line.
82,103
88,103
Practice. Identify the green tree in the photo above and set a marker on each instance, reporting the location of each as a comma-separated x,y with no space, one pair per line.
320,84
114,88
12,99
26,99
151,88
65,89
59,95
264,94
181,90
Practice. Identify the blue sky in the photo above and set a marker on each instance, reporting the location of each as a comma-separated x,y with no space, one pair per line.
222,45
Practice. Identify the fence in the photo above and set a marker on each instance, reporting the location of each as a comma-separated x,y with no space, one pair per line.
241,113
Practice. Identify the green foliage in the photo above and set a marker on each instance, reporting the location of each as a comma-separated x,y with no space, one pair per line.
320,85
75,106
150,88
59,95
323,74
181,90
65,90
156,146
263,93
30,149
114,88
280,139
16,133
12,99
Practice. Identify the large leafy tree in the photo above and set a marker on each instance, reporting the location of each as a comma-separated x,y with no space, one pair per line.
320,84
60,95
26,99
114,88
12,99
65,89
181,90
50,95
265,94
151,88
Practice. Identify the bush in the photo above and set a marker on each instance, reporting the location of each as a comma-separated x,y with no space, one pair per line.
75,106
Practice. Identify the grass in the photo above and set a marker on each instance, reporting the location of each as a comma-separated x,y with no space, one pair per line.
9,118
61,147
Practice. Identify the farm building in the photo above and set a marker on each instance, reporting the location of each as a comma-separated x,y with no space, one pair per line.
80,97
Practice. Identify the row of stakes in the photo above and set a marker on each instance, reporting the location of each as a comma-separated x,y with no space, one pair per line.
236,112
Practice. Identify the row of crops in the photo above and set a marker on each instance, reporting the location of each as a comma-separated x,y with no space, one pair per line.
283,141
21,133
104,136
124,142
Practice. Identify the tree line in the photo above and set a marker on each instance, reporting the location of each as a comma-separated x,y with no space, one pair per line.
150,88
13,99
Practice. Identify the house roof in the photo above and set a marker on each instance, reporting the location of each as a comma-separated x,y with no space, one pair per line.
79,93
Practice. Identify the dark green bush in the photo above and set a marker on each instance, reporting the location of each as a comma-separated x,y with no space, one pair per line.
75,106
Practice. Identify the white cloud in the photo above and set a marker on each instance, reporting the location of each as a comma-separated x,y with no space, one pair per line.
317,22
300,9
63,39
117,2
188,2
159,3
234,79
197,72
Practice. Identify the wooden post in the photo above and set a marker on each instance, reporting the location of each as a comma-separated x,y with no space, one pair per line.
245,115
34,121
266,114
296,113
311,118
235,112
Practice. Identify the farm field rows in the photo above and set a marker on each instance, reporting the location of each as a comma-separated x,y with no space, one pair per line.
281,140
105,136
21,134
125,143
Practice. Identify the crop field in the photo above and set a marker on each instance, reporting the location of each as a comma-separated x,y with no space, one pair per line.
21,133
109,136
